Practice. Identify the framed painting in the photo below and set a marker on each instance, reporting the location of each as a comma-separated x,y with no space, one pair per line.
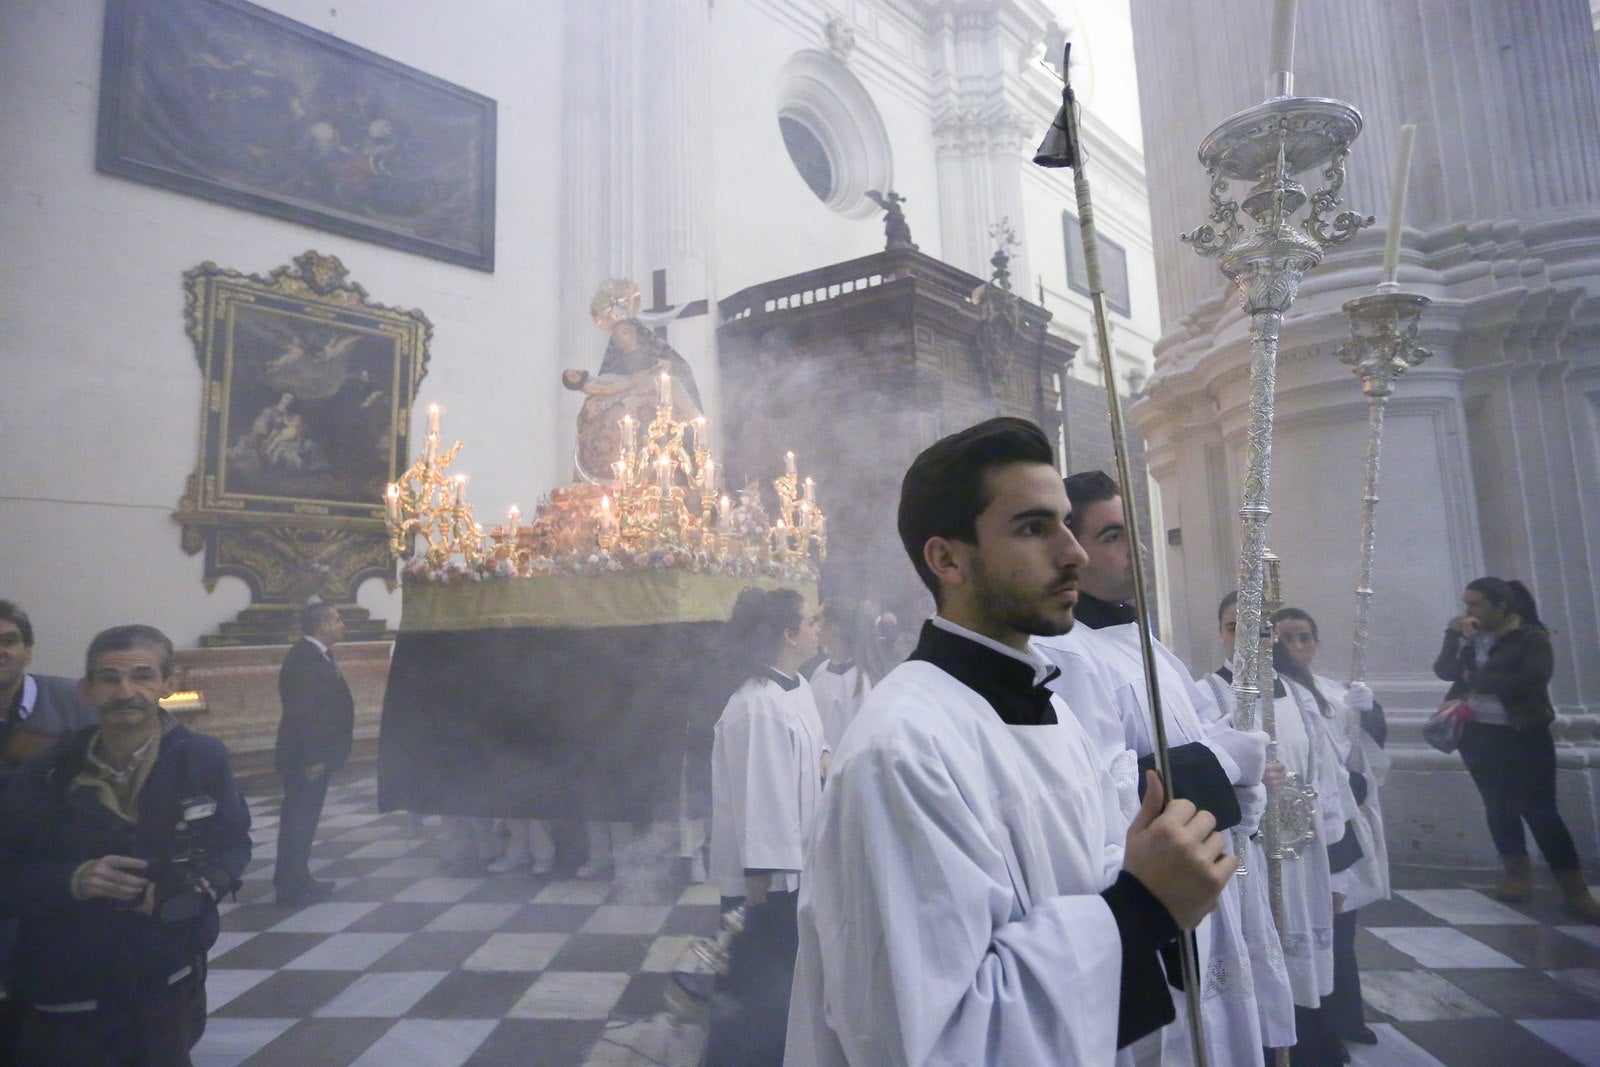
308,387
225,100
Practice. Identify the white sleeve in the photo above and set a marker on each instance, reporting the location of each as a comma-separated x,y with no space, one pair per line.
912,927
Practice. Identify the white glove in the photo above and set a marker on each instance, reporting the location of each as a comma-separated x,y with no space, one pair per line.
1252,802
1358,697
1246,750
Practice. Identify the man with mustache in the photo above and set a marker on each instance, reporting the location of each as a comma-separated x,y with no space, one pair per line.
116,846
974,893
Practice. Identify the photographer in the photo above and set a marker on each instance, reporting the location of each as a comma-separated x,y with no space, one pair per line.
115,847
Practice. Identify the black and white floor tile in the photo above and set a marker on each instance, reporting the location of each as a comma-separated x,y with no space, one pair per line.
409,965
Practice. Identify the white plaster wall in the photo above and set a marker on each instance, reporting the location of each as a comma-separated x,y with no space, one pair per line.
100,411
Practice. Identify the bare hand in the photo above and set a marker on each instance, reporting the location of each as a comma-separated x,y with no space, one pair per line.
113,878
1175,851
1465,625
755,889
1275,776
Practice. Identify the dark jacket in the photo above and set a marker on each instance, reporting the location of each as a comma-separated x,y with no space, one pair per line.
1517,671
72,950
319,714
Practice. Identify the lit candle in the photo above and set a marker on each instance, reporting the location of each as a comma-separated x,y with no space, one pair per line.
513,517
605,514
627,432
433,419
1281,58
391,497
811,491
666,390
1397,203
710,483
461,485
664,470
788,464
723,507
431,450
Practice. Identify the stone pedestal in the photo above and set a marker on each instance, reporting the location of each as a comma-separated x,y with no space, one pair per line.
1434,816
239,691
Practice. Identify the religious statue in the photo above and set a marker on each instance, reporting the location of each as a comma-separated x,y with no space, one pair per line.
895,228
628,382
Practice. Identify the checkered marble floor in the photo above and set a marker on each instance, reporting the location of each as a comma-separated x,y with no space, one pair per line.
407,965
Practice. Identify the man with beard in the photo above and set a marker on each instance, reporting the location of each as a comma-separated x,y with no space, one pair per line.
116,846
973,893
1214,765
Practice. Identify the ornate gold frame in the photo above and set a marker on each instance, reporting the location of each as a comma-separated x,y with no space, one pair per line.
306,414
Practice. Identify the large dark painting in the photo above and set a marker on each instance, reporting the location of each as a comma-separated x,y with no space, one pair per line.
225,100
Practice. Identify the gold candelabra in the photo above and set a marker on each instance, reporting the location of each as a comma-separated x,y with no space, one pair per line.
429,503
663,502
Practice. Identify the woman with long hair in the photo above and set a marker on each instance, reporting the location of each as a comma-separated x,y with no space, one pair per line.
1497,658
849,635
768,760
1353,723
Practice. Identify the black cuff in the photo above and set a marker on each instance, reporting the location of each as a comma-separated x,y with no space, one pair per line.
1198,777
1144,925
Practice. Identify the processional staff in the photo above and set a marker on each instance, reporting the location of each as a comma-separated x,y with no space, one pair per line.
1062,147
1382,345
1267,145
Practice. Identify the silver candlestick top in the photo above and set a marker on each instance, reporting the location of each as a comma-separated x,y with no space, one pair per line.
1382,346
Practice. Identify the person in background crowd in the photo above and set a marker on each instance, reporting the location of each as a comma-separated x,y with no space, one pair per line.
768,761
38,708
314,740
1497,657
849,635
117,845
1359,862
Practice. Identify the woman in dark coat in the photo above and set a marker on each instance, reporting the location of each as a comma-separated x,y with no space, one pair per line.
1497,658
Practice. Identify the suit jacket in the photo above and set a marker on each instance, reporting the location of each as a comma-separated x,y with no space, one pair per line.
319,713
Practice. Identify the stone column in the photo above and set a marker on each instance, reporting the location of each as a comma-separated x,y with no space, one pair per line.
1489,448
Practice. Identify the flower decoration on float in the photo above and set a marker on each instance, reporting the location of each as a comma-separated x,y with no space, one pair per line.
663,509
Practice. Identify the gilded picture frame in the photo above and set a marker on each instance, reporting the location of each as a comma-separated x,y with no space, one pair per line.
307,393
228,101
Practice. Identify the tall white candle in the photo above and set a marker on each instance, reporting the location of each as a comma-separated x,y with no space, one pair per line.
627,433
724,506
811,491
1397,202
391,497
788,464
699,441
1281,57
665,398
512,518
431,451
710,484
433,418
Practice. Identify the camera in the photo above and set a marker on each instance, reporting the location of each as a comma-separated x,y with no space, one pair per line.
178,890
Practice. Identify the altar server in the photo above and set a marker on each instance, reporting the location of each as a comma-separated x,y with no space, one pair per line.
1216,766
973,893
849,635
768,759
1354,725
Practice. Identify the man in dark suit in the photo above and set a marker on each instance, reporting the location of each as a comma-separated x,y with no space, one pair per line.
313,742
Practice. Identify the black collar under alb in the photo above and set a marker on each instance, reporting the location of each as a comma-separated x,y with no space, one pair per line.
786,683
1002,680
